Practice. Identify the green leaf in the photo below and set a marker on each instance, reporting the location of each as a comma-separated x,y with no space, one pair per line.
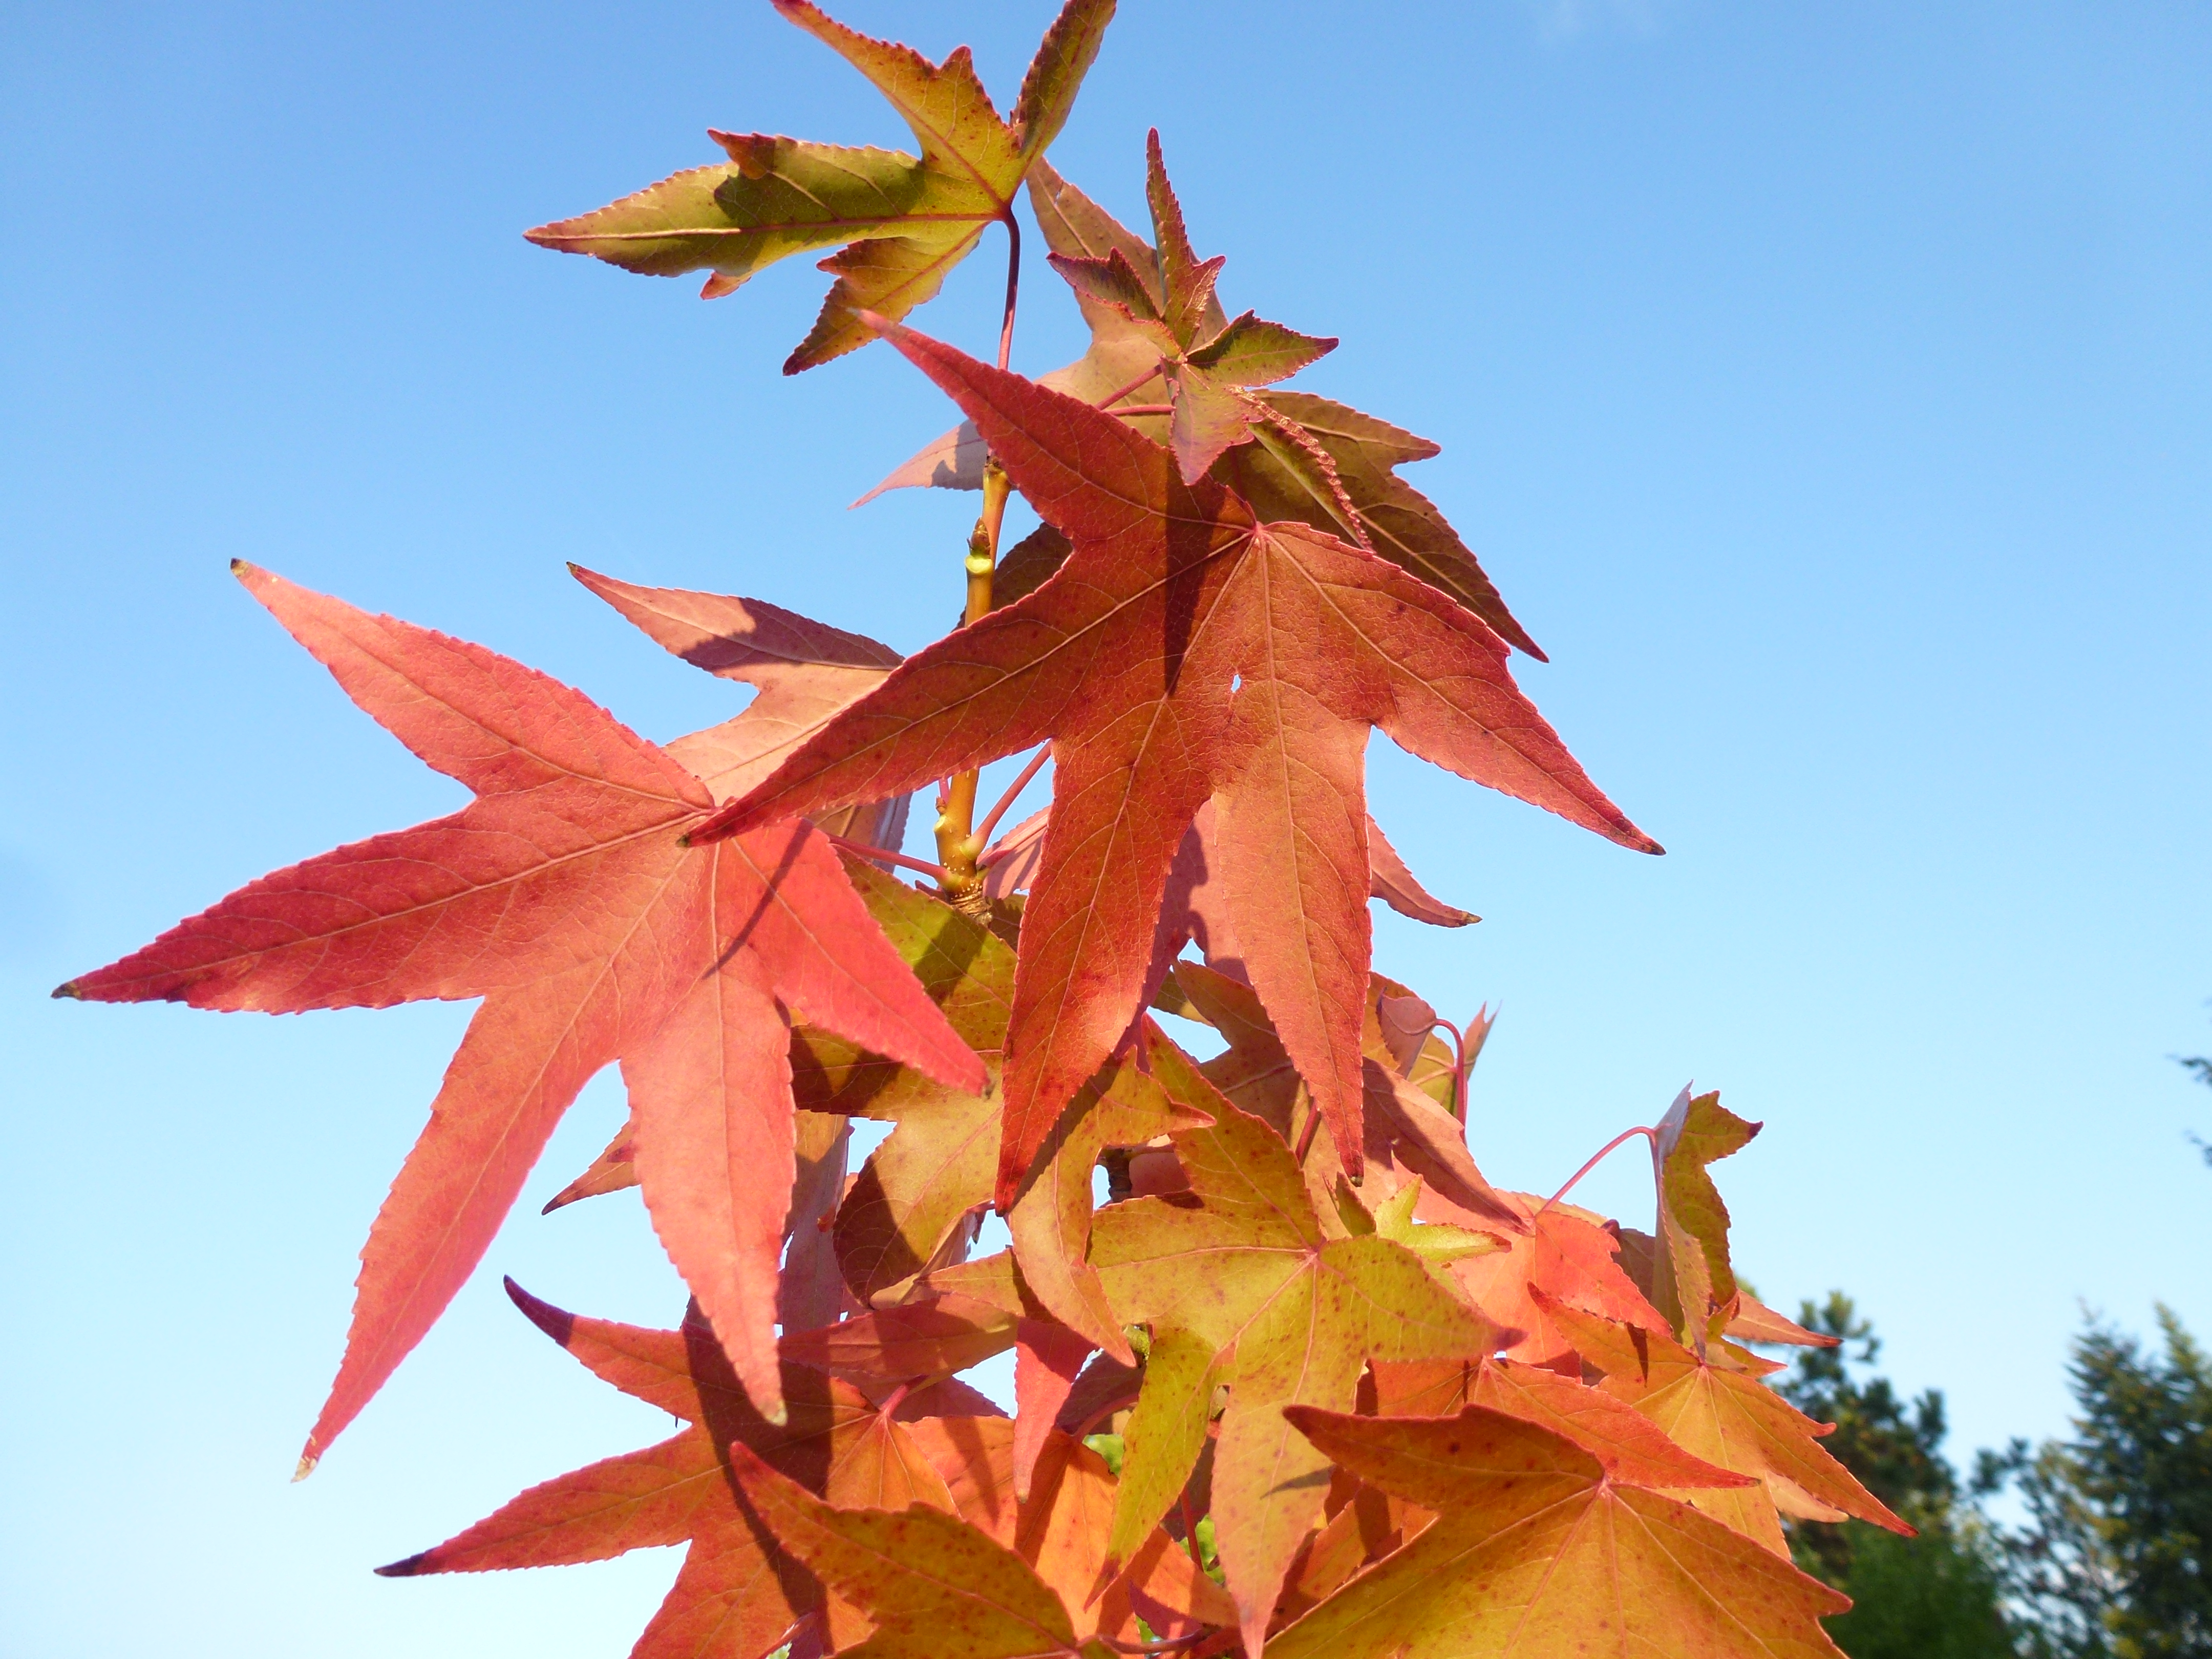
1694,1281
1252,351
904,221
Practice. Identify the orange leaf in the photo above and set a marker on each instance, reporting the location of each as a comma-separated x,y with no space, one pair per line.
744,1595
1538,1552
1565,1254
1728,1418
934,1587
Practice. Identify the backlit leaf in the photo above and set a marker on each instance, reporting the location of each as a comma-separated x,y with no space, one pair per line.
905,221
1538,1552
1184,652
568,896
1692,1280
1727,1416
1244,1289
935,1588
735,1594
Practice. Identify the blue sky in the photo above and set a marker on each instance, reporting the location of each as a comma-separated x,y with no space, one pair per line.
1828,387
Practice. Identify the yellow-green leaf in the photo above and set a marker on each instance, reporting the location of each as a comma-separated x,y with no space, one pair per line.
1242,1285
904,221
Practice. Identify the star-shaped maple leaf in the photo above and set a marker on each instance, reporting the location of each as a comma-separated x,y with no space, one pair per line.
1692,1281
1714,1407
906,220
1184,651
1243,1287
1310,459
566,895
736,1595
804,671
1684,1267
1542,1550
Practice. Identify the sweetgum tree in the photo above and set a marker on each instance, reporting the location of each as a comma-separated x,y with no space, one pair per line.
1307,1380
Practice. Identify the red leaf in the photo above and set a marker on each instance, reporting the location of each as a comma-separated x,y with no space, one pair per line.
1184,651
1313,460
567,896
804,671
1048,1359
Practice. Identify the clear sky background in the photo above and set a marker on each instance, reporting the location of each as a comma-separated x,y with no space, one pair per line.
1826,387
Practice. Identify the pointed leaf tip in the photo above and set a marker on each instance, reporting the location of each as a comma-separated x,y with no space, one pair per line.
556,1322
406,1569
306,1466
67,988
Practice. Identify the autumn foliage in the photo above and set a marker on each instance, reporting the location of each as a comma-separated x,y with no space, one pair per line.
1290,1372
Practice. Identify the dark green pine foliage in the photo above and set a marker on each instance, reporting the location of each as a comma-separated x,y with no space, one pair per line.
2146,1463
2114,1561
1935,1596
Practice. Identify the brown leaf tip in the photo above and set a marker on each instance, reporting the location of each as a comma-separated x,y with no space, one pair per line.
407,1569
69,989
556,1322
306,1466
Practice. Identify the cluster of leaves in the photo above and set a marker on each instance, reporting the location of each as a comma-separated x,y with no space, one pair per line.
1306,1381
